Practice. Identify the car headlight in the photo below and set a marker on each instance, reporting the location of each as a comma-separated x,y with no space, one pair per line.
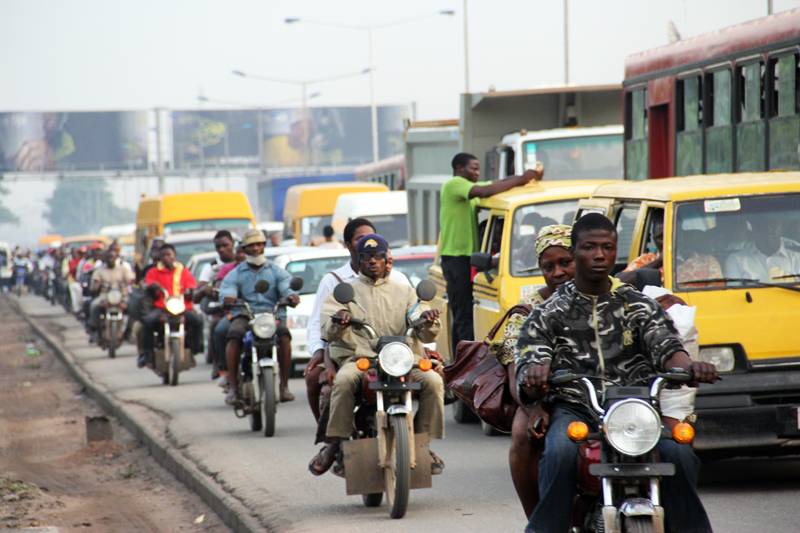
720,356
396,359
114,297
632,427
175,305
297,321
264,326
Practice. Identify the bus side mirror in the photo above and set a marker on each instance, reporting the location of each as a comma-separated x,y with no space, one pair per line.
481,261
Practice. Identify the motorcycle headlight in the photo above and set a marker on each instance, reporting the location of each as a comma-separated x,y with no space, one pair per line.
175,305
114,297
297,321
264,326
396,359
632,427
720,356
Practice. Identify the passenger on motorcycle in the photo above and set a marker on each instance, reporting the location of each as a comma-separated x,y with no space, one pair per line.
169,274
590,326
206,293
389,305
240,283
353,231
112,274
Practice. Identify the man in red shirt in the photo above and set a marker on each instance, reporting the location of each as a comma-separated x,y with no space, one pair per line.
171,276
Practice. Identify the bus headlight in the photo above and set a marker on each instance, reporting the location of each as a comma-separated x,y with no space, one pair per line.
264,326
720,356
175,305
396,359
632,427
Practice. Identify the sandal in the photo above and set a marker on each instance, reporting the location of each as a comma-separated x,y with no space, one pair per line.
323,461
437,464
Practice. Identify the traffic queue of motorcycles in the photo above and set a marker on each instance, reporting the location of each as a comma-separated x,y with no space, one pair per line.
620,472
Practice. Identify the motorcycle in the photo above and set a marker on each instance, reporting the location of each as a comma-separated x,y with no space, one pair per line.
112,323
258,370
384,454
170,354
619,472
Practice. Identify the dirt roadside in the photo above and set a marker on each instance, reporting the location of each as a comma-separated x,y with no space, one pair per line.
49,476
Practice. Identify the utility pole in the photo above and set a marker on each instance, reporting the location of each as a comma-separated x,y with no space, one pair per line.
769,7
466,50
566,42
159,155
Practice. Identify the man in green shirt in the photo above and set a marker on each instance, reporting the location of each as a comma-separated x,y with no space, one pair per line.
458,237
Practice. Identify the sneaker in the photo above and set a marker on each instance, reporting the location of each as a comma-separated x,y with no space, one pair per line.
222,382
437,464
141,361
231,398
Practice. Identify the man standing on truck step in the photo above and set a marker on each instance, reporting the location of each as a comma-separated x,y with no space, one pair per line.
458,238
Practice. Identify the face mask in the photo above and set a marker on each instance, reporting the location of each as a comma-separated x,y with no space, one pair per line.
255,260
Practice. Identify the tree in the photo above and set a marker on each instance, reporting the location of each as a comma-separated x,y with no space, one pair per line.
6,216
83,206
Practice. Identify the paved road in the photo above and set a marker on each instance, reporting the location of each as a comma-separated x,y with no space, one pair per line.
474,494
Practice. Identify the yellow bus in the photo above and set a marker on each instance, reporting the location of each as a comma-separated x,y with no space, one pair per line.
195,211
309,207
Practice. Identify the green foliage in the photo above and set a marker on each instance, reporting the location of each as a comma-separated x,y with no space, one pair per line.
80,206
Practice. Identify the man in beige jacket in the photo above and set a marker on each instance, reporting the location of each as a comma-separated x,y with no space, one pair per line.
388,306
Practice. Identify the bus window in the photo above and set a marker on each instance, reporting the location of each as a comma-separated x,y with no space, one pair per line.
750,130
625,223
689,149
636,160
717,117
784,123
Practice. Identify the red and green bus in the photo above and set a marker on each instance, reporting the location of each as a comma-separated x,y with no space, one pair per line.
726,101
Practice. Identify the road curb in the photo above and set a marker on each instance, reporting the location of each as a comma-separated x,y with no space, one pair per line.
231,511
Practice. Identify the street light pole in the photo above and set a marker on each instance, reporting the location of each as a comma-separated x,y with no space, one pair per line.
466,50
566,42
372,104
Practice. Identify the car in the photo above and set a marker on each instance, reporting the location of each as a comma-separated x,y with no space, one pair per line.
198,261
191,243
310,264
414,261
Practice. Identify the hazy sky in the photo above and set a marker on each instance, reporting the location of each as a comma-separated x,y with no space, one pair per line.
107,54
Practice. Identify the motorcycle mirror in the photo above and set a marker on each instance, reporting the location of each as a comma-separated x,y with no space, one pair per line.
426,290
262,286
344,293
296,284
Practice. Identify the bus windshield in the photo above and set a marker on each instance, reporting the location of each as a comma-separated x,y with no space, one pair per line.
738,241
590,157
235,225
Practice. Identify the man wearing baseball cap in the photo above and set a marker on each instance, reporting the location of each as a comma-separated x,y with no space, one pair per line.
241,283
389,307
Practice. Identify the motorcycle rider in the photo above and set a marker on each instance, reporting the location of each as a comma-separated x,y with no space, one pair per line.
388,305
592,326
353,231
169,274
112,274
240,282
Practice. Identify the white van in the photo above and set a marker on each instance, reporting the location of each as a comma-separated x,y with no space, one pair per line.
388,211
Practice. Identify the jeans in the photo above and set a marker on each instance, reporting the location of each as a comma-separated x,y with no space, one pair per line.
193,325
456,270
558,477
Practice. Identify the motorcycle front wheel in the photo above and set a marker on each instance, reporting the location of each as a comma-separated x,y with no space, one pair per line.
397,476
112,339
269,404
256,420
175,348
638,524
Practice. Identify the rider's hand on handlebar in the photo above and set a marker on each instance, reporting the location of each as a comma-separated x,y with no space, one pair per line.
704,372
293,300
343,316
536,376
432,315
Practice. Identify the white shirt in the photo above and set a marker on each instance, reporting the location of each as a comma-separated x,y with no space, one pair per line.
209,272
325,289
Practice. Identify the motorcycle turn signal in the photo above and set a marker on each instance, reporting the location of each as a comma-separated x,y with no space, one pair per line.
425,364
577,431
683,433
363,364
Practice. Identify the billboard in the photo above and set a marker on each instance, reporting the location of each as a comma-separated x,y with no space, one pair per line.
95,140
326,136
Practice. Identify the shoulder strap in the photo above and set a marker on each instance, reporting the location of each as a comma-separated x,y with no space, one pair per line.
335,275
522,309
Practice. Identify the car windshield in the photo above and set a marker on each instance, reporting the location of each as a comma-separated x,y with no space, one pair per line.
234,225
394,228
735,241
415,268
185,250
311,229
312,270
590,157
528,220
